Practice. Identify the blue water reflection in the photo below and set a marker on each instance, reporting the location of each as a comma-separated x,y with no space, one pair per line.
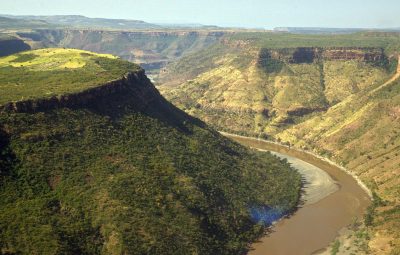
266,215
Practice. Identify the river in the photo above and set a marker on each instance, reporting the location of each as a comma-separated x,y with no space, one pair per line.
316,224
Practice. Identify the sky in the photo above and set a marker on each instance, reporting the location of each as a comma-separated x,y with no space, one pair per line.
239,13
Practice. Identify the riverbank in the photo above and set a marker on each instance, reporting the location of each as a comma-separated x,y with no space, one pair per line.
314,226
359,181
317,184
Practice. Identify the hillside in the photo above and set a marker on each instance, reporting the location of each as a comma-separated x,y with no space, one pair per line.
105,165
334,94
260,91
362,133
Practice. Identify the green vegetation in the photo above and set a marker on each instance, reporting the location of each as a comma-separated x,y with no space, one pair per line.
52,72
116,178
335,247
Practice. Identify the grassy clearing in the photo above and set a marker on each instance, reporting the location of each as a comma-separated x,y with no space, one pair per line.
52,72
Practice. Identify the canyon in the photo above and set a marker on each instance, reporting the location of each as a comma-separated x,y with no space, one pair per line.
333,95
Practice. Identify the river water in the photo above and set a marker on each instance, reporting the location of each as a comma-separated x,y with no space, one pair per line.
316,224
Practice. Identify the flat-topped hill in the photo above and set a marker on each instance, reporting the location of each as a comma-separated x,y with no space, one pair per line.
46,73
117,169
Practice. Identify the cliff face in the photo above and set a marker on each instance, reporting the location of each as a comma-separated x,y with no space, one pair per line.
133,92
136,84
309,54
372,55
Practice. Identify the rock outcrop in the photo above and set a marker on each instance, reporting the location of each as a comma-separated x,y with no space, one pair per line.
142,92
312,54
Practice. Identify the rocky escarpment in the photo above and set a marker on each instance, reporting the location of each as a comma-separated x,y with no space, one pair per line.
371,55
312,54
133,92
301,111
136,84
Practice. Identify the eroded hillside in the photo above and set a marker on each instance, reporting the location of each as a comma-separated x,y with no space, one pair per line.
262,91
335,95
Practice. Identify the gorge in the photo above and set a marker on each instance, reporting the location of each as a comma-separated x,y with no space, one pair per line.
78,126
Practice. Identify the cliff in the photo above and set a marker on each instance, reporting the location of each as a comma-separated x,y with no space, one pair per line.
133,92
311,54
137,82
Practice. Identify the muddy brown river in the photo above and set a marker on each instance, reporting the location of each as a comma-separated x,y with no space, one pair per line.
314,226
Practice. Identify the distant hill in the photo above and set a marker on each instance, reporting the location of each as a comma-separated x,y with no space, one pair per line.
327,30
15,23
78,21
82,21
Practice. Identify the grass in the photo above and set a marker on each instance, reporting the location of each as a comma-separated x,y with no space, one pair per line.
51,72
335,247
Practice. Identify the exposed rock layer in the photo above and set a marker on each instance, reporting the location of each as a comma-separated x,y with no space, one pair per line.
137,82
309,54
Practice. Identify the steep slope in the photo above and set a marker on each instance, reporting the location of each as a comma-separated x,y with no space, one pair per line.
362,133
116,169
